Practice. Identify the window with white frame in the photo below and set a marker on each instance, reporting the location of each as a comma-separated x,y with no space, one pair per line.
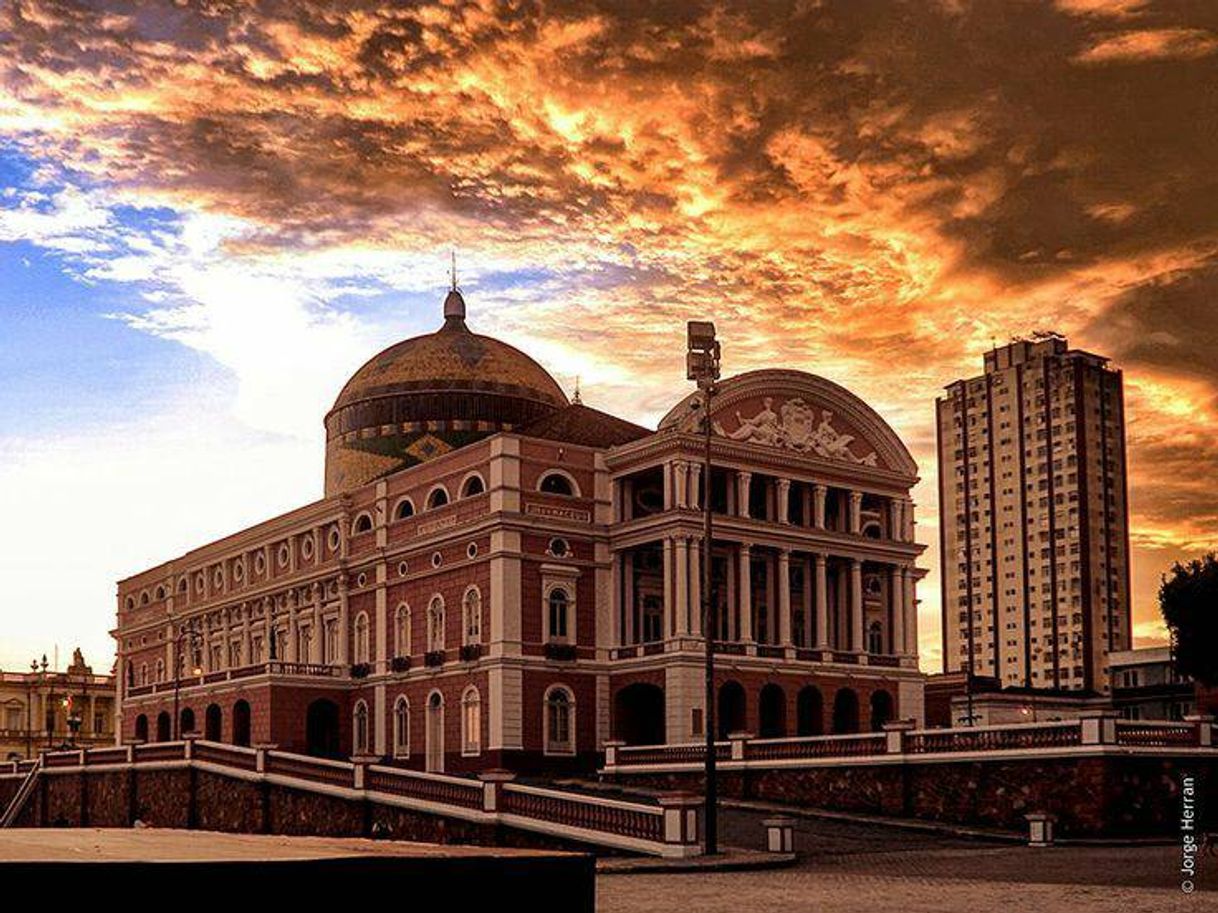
363,650
558,606
401,728
471,721
360,729
471,610
558,596
401,630
329,641
559,721
435,624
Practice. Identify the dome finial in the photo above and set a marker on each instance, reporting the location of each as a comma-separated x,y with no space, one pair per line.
577,399
454,304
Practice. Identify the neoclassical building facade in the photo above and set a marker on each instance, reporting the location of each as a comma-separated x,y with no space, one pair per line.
498,577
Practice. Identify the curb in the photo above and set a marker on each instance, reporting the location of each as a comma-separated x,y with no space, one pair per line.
731,859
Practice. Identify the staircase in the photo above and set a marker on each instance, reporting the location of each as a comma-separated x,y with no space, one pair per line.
22,796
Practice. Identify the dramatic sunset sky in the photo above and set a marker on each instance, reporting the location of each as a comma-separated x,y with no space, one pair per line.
211,213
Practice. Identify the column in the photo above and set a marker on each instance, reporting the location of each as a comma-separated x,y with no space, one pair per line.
695,484
228,635
818,505
743,482
806,596
856,605
896,608
682,585
669,500
822,602
628,594
615,598
268,624
908,515
695,586
681,481
670,603
911,611
784,597
246,652
744,587
318,633
206,644
856,512
344,622
293,630
784,500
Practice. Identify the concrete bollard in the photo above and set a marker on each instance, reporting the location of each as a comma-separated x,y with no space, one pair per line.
611,748
740,741
1040,829
779,835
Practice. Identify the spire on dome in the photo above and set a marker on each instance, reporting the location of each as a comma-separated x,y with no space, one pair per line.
577,399
454,304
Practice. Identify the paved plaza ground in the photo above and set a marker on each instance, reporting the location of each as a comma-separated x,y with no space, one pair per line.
848,866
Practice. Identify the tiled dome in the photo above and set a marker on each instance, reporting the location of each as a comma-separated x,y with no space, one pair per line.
427,395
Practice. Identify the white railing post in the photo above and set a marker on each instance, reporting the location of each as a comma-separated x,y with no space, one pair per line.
779,835
1204,724
895,733
492,785
1040,829
1097,727
358,771
611,748
681,818
739,742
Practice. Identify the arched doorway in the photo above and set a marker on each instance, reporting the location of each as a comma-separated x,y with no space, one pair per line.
772,712
845,711
810,712
213,723
638,714
163,723
435,732
733,712
321,729
241,723
141,728
881,710
186,722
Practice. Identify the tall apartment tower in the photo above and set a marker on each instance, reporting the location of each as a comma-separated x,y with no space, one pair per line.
1034,518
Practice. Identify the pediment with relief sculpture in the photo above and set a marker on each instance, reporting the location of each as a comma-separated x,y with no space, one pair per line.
802,413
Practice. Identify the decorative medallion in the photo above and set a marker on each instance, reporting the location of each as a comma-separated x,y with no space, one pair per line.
427,446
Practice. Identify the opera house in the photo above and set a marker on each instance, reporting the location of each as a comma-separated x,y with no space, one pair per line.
500,577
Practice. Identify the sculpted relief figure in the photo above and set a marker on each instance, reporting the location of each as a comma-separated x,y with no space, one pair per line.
797,430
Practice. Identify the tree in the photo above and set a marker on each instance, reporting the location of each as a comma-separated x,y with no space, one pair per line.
1188,599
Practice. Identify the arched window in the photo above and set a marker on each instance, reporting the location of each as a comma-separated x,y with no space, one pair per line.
362,524
435,624
401,631
438,497
558,605
141,727
471,721
143,673
162,726
360,729
160,670
559,722
404,510
434,759
473,485
557,483
875,638
186,721
363,650
471,611
401,728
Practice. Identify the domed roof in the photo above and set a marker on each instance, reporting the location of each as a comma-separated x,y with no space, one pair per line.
426,396
452,358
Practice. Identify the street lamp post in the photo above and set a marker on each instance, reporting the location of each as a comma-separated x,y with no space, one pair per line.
186,633
702,366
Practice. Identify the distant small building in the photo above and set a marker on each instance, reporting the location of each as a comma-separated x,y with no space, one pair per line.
1146,686
40,708
952,702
